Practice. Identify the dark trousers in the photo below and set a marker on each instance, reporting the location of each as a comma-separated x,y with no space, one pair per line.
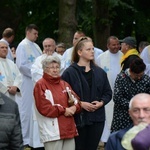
89,136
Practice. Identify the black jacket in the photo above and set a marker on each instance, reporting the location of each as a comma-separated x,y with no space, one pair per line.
100,90
10,127
127,61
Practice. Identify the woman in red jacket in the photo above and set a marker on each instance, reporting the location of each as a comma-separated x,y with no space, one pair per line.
56,104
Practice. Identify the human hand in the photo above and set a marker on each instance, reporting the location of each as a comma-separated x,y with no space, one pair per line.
98,104
88,106
12,90
70,111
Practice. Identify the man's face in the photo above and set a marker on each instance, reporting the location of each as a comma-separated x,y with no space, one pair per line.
3,50
76,37
140,111
32,35
49,46
60,50
113,46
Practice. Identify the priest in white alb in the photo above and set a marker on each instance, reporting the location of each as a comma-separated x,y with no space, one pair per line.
110,62
10,77
26,53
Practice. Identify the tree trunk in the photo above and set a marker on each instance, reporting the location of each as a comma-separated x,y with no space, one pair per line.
101,25
67,21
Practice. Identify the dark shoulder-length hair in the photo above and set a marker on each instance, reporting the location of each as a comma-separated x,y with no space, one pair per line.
137,65
78,46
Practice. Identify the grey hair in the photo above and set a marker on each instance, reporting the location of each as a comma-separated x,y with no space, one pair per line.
140,96
4,42
50,59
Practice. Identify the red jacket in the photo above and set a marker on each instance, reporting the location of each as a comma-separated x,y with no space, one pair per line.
51,99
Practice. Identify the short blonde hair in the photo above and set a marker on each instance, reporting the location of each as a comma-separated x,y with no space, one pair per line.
50,59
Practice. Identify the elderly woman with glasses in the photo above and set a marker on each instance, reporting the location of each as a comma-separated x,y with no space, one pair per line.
128,83
91,84
56,103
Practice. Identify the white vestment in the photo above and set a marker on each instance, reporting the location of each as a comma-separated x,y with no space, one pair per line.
68,53
9,76
37,73
145,55
110,63
26,54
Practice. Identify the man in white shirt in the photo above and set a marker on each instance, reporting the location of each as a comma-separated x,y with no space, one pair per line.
26,53
110,62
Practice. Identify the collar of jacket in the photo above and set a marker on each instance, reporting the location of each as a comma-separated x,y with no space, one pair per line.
82,68
1,100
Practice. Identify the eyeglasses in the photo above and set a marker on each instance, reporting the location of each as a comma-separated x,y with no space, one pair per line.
53,68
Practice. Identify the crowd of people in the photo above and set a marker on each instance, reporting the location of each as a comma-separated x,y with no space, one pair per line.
71,99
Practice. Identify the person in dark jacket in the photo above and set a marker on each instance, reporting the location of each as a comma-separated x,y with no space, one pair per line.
91,84
10,126
139,111
128,48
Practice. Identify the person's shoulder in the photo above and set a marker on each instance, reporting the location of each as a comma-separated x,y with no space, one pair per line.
22,42
71,68
8,100
120,53
98,49
68,50
10,61
41,57
122,74
58,55
145,51
98,69
120,133
147,77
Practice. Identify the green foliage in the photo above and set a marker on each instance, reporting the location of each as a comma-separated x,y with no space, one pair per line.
126,17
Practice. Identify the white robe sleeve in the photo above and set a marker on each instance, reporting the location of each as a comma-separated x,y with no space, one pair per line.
22,61
36,70
145,55
18,77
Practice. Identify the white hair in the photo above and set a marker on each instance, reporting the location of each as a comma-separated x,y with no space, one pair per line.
50,59
140,96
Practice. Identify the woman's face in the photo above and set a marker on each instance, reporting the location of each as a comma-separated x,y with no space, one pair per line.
53,69
87,51
136,76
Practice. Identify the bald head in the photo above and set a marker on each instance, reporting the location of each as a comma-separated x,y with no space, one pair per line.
139,108
3,49
49,46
